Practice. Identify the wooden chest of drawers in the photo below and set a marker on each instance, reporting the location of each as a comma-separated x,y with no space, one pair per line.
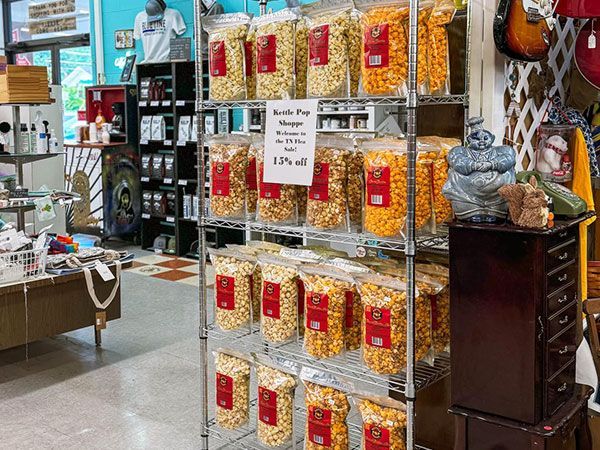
514,320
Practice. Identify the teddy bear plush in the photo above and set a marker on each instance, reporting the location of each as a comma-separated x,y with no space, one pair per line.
527,205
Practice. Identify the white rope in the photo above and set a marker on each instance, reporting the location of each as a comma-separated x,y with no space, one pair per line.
90,286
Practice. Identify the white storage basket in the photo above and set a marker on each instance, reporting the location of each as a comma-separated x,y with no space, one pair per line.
22,266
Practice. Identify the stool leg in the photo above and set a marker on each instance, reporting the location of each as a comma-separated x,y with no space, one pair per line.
98,337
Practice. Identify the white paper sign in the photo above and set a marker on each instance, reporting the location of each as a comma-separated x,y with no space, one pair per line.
290,141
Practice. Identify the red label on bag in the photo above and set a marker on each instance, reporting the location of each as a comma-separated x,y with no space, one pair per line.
319,426
435,324
270,300
378,186
270,191
224,391
220,179
320,186
317,307
218,60
376,437
377,46
349,309
266,54
225,292
267,406
251,184
249,57
301,294
378,332
318,46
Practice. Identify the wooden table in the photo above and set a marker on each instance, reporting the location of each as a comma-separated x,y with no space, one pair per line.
55,305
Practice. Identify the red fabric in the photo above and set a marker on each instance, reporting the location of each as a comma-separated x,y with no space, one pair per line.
581,9
587,58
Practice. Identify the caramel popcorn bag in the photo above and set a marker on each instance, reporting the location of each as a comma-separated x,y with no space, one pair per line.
383,421
232,388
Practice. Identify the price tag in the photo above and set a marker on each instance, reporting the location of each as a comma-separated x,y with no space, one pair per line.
290,141
168,181
155,103
143,104
181,143
101,320
104,271
592,41
144,142
145,179
183,182
168,143
166,103
158,251
145,216
180,103
171,219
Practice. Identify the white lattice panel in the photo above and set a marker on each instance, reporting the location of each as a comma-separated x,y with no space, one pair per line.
522,133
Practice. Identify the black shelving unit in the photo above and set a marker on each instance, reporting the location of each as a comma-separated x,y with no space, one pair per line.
180,100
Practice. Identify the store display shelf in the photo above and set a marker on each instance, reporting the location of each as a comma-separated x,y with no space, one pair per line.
337,102
348,366
25,158
356,112
344,130
435,242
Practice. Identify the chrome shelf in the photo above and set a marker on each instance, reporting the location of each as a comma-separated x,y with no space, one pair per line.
434,242
26,158
337,102
347,366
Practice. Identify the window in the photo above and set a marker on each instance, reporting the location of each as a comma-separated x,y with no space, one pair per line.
76,74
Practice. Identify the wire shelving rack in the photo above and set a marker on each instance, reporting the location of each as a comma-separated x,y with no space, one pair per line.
417,375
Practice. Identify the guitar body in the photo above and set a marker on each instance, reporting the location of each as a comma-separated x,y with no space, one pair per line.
518,37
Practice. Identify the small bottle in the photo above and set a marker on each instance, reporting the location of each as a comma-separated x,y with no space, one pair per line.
187,206
24,140
105,134
93,133
32,138
52,143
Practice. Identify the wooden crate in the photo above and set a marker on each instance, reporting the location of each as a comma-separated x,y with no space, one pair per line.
24,84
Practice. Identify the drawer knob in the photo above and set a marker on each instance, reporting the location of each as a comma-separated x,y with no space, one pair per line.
562,388
563,277
563,234
563,321
564,256
563,299
563,350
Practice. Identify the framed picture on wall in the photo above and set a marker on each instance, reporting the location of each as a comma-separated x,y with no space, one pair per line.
128,69
124,39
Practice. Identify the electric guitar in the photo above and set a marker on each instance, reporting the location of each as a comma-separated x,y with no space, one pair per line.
521,31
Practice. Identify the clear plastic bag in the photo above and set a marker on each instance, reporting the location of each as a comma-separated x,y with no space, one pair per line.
232,388
325,310
257,247
327,408
228,161
384,324
250,66
328,66
226,50
277,203
277,382
301,57
384,61
275,55
437,47
279,298
384,421
327,205
354,51
257,141
354,189
233,288
440,306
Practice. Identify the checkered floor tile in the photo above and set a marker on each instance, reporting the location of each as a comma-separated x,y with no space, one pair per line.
179,270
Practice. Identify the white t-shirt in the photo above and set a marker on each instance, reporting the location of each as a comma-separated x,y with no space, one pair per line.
156,36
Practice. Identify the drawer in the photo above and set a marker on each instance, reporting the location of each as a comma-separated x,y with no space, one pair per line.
560,277
558,300
560,350
561,320
562,254
559,389
561,237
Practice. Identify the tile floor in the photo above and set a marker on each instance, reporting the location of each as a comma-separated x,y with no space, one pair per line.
140,390
169,268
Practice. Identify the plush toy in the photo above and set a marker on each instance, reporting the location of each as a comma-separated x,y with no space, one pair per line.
528,205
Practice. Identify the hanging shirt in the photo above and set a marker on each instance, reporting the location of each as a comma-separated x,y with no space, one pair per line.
156,36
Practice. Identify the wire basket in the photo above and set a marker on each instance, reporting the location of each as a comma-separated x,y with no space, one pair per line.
23,265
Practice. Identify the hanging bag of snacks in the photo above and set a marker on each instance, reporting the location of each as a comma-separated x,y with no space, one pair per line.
275,55
355,186
328,67
232,391
277,382
437,47
301,55
327,409
250,63
327,205
383,421
354,51
226,55
384,62
233,288
257,141
385,323
228,162
425,9
440,305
